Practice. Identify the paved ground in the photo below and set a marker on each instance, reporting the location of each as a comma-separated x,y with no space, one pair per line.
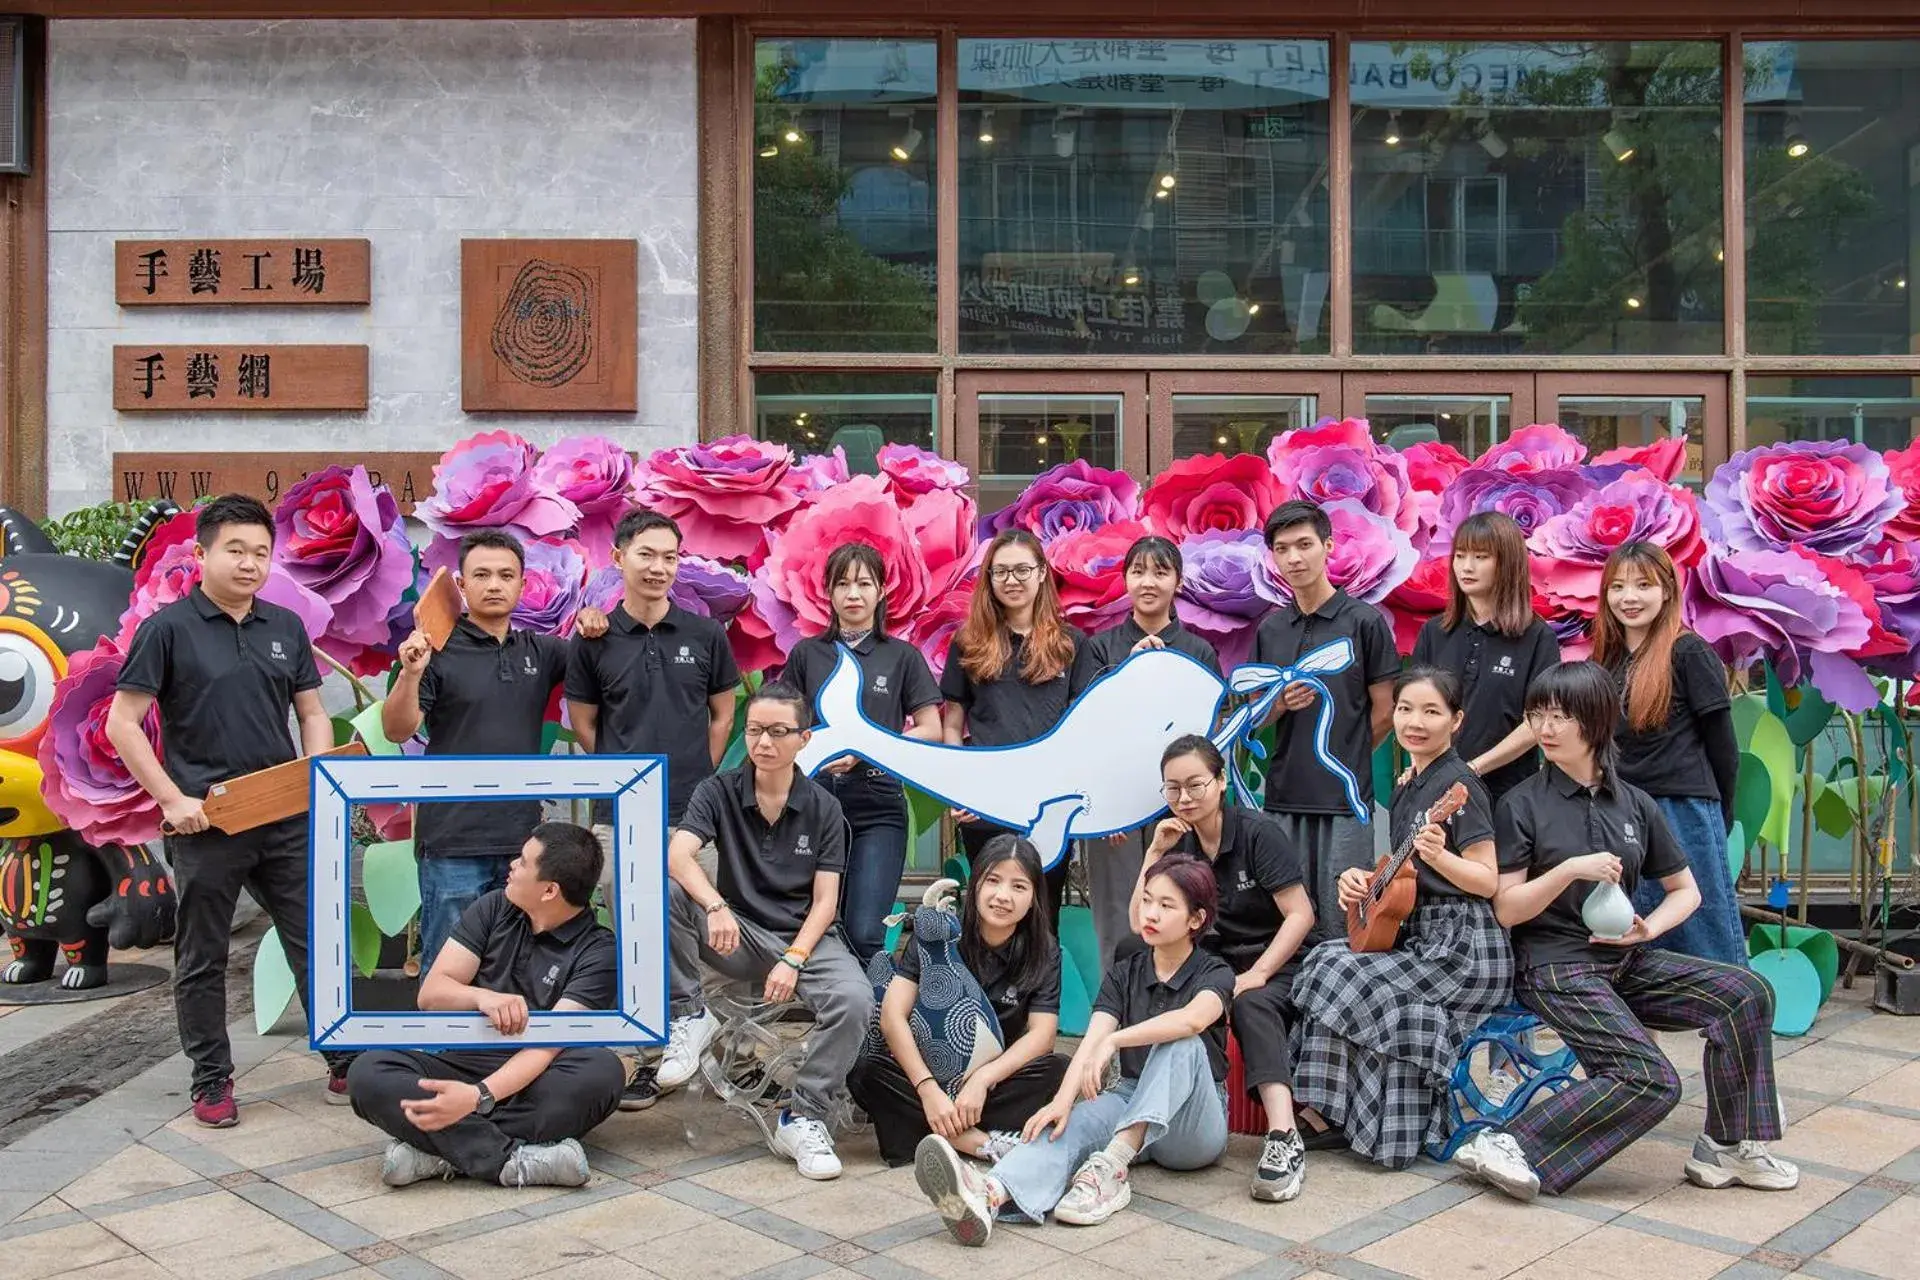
127,1188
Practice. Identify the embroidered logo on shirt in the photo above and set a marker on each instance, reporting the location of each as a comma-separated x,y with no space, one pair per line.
530,668
800,848
1504,667
553,976
1632,837
279,651
684,656
880,684
1243,884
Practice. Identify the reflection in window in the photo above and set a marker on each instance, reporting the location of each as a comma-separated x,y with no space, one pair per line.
1882,413
858,413
1236,424
843,195
1022,435
1626,422
1561,198
1831,128
1467,422
1143,196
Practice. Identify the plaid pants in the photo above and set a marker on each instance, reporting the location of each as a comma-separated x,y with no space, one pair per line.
1603,1012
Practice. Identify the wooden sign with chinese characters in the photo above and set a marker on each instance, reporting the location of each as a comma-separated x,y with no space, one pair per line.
239,376
183,477
276,273
549,325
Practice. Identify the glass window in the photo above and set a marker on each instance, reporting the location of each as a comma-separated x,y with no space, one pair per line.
1833,157
1143,195
1024,433
1235,423
1467,422
1514,198
1624,422
858,412
1883,413
843,195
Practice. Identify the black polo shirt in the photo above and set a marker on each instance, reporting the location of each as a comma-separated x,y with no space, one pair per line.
1107,650
766,870
1254,863
651,685
1495,670
1013,1005
1296,780
224,688
1008,710
1466,828
1672,760
895,682
485,697
1550,818
577,960
1133,993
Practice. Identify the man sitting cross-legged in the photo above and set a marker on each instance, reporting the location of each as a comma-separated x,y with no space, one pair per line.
505,1115
782,846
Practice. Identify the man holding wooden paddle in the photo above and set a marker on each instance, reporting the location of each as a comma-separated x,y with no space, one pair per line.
224,669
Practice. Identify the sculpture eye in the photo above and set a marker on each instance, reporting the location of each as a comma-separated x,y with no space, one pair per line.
27,678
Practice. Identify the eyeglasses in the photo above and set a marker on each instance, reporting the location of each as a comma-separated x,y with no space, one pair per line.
1550,720
1189,790
1014,572
778,732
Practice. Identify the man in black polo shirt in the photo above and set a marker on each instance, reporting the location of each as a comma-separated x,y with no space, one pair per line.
503,1115
782,846
485,694
1306,798
224,669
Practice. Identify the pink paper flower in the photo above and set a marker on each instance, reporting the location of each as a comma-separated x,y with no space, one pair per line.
1544,446
1903,466
488,482
553,586
1570,550
1431,467
1422,596
1072,497
1210,492
823,470
787,589
1571,628
1829,496
343,539
1891,571
1086,565
85,783
931,630
1227,586
1665,457
941,524
752,639
1531,498
1340,460
914,470
595,474
727,496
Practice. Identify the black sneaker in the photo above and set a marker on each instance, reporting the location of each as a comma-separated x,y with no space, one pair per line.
1282,1167
642,1091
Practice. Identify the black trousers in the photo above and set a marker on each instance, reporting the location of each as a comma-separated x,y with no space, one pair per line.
885,1094
973,838
209,871
570,1097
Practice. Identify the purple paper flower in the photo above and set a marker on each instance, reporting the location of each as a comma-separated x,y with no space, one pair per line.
1531,497
1341,460
1570,550
84,782
556,577
1892,572
487,482
1072,497
595,474
823,470
1227,585
343,539
914,470
726,495
1829,496
1544,446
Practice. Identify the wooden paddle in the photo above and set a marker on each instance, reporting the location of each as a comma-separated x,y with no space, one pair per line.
437,609
267,795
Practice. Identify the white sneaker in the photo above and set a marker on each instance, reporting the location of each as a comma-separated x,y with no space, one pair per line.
1099,1190
1748,1163
686,1040
810,1145
406,1164
999,1142
1500,1086
955,1189
547,1164
1496,1159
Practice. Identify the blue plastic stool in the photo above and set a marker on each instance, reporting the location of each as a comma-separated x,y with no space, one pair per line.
1511,1031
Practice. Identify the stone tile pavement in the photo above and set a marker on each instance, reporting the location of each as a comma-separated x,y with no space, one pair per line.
128,1188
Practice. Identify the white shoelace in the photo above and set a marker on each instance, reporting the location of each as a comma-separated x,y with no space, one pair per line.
810,1136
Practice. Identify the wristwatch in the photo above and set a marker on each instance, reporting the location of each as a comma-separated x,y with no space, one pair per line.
485,1106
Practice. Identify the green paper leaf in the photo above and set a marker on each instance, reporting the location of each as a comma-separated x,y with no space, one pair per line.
1776,695
342,731
1747,710
736,752
923,813
1810,719
1899,744
367,724
551,733
1752,796
273,987
1849,792
1831,813
1737,850
1773,748
391,877
365,935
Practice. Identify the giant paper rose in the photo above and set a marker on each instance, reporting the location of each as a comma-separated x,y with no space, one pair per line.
941,524
1829,496
1544,446
1227,585
1431,467
1892,574
1422,596
726,496
1074,496
931,630
553,586
1340,460
1531,498
343,539
787,589
85,784
1665,457
1210,492
820,471
488,482
752,641
1903,465
1570,550
1086,566
595,474
1572,629
1369,558
914,471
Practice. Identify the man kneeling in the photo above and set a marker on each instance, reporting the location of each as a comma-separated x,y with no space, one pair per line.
504,1115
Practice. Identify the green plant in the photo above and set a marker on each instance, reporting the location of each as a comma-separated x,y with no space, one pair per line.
93,533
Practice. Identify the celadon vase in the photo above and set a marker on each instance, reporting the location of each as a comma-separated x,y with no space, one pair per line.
1608,912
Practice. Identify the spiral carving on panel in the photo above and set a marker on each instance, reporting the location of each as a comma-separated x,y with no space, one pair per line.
543,332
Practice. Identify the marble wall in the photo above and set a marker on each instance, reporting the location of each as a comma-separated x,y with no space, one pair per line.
411,134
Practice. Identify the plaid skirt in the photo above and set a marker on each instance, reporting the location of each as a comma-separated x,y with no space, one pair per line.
1380,1032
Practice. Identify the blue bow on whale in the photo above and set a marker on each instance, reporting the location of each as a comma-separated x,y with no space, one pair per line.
1267,682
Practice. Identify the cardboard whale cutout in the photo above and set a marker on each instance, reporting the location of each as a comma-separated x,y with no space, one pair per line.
1097,771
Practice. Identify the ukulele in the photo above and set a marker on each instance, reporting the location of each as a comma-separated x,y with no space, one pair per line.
1373,922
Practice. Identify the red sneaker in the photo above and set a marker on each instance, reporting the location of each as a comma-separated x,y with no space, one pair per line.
214,1106
337,1088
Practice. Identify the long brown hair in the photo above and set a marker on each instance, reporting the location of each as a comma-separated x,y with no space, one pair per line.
1649,683
1497,535
984,640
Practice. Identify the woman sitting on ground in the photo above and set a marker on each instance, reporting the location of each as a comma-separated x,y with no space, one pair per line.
1382,1029
1574,830
1162,1013
1008,946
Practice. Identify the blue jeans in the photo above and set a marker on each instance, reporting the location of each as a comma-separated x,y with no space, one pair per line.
1176,1096
448,886
1713,931
876,858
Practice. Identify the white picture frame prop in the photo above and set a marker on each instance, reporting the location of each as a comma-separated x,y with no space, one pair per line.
637,787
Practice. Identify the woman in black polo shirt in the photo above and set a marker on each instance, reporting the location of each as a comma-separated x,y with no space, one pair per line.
1012,670
1565,835
896,687
1153,575
1675,736
1382,1029
1159,1025
1009,948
